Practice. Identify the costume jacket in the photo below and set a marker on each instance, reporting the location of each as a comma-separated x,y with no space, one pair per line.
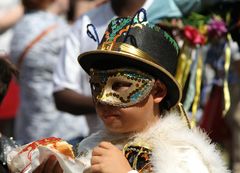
170,145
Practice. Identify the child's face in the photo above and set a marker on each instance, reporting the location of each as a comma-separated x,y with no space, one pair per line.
119,114
131,119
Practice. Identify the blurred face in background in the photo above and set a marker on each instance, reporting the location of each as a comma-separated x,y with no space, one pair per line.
83,6
63,5
60,6
36,4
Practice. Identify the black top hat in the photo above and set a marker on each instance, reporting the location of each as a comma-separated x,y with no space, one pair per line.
129,42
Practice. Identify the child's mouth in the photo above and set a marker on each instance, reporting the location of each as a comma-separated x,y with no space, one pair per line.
108,118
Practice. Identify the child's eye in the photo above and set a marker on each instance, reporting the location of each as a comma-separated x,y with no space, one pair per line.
121,86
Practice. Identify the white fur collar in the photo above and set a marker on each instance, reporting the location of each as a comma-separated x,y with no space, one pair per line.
176,149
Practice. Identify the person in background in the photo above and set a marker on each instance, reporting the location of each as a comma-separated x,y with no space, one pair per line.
38,39
9,16
79,7
233,117
10,102
7,70
10,12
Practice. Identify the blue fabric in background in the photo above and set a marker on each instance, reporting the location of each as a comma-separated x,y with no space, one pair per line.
161,9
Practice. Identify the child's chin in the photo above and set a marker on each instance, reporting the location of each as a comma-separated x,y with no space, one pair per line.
117,130
114,130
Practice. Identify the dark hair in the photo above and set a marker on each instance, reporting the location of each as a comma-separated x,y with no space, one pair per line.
36,4
7,69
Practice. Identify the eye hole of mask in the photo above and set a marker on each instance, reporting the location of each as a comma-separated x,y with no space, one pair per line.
121,86
96,87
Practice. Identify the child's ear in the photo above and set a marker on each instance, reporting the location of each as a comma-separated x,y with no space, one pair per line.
159,91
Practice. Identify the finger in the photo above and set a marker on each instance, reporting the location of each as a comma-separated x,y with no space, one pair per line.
57,168
96,160
97,151
95,168
105,144
50,163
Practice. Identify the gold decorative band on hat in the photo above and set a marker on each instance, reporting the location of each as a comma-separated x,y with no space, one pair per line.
127,48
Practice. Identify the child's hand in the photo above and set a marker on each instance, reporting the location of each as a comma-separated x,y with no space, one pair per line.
106,158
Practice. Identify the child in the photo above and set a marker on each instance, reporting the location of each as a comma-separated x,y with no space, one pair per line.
135,93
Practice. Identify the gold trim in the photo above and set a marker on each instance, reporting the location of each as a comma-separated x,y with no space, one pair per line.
143,147
131,52
138,144
127,48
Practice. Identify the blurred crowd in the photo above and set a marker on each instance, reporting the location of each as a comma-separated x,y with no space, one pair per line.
51,94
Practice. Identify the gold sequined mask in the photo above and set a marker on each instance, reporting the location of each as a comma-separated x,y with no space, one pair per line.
120,87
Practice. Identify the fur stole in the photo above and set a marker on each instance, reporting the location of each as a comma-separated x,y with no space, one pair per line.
175,147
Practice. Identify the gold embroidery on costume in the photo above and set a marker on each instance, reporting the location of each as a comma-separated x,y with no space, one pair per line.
139,158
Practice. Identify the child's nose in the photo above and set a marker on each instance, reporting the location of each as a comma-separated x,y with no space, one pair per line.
104,106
